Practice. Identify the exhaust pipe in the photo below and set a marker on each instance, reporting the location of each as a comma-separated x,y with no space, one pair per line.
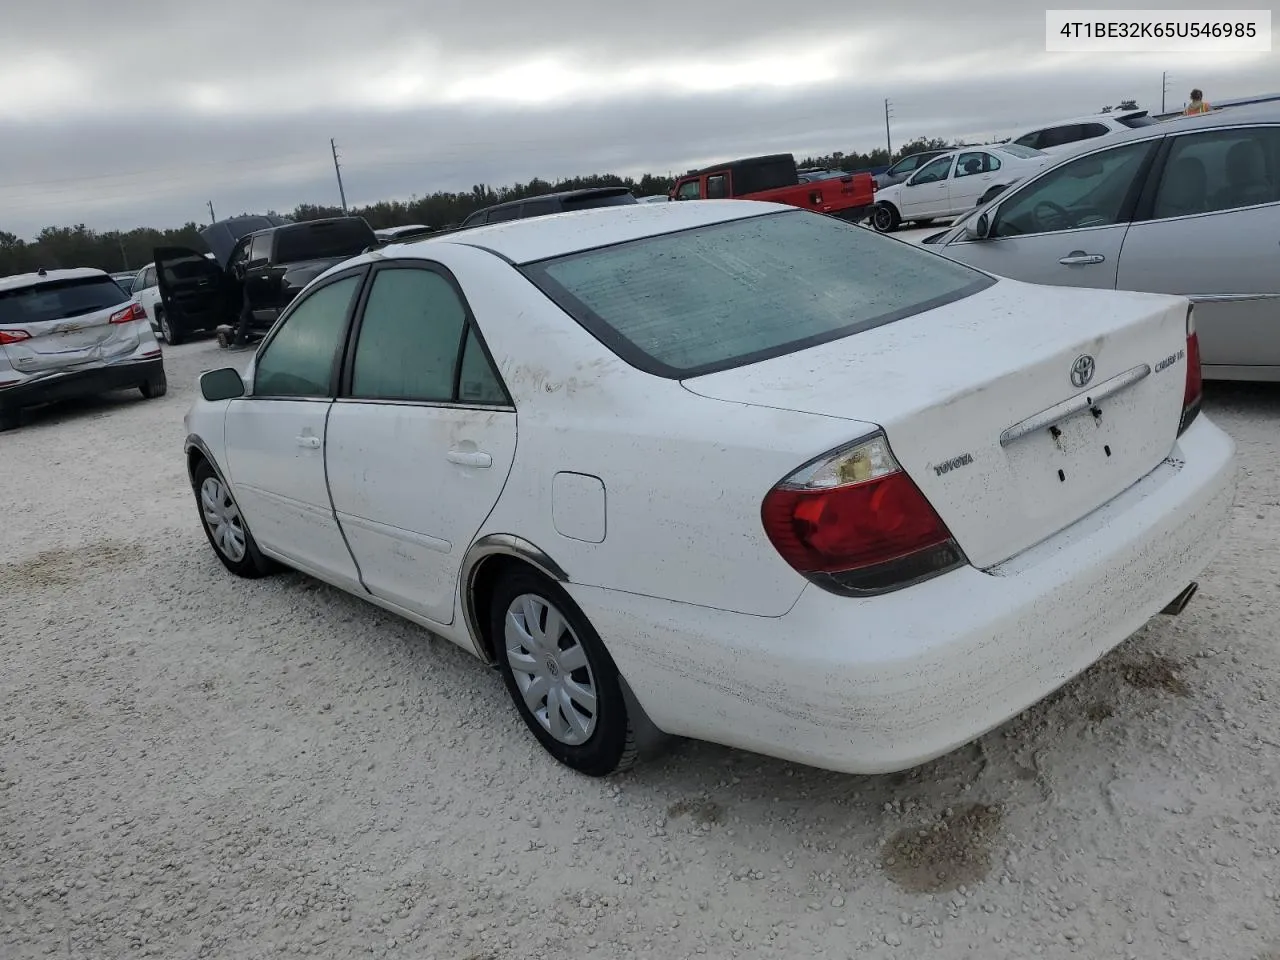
1179,603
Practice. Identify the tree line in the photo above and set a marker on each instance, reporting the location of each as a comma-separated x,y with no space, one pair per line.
81,246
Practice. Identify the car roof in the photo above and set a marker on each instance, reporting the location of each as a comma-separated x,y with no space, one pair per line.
561,195
1087,118
1233,117
20,280
554,235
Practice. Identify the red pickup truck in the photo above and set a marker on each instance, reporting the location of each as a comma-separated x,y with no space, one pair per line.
774,179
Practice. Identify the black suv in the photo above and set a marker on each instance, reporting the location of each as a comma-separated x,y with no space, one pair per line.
270,265
550,203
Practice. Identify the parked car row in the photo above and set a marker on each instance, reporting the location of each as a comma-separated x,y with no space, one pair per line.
1188,207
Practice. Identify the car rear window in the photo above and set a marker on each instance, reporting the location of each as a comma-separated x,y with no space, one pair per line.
59,299
592,200
729,294
323,240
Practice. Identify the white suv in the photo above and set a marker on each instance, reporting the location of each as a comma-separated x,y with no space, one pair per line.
70,333
146,291
1066,135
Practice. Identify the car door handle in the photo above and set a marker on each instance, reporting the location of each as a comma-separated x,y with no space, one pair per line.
469,458
310,442
1079,256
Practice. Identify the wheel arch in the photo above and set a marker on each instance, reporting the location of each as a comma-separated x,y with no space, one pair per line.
198,450
483,561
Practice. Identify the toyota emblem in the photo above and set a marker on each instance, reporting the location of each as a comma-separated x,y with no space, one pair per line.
1082,370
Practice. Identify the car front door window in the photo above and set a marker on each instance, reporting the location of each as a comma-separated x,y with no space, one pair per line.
932,172
298,360
1092,191
689,190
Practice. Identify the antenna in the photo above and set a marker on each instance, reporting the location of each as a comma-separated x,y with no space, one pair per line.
338,170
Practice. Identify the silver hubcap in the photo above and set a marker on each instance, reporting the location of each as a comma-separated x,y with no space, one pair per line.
551,669
223,519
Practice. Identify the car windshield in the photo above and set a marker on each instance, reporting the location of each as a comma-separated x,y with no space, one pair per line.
59,299
725,295
323,240
1018,150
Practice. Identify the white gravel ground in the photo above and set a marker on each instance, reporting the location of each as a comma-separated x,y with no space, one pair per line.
196,766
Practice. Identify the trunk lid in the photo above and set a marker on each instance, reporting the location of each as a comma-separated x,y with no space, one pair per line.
67,324
967,395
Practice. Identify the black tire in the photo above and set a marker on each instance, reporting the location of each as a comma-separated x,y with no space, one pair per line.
611,745
252,564
924,223
155,388
171,336
885,218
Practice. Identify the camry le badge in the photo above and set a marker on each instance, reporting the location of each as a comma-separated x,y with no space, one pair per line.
1082,370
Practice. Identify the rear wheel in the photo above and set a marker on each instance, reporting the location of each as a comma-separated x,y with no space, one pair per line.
990,195
884,218
562,680
225,527
166,329
157,386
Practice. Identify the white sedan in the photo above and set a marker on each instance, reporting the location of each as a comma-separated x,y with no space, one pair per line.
953,184
725,470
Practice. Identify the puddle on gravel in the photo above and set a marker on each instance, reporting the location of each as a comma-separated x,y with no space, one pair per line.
938,857
62,566
1155,673
700,813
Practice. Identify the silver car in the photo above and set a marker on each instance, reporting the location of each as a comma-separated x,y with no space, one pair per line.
70,333
1189,207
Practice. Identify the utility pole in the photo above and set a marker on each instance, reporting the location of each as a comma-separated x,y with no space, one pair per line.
124,257
333,147
888,140
212,218
1164,89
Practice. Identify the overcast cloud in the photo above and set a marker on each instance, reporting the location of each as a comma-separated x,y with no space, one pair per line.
137,113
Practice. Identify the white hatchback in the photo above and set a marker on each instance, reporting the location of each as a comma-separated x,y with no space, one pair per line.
725,470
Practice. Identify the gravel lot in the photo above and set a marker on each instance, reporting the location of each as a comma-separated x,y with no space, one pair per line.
197,766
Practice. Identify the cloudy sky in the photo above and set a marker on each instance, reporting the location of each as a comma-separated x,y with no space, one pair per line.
140,111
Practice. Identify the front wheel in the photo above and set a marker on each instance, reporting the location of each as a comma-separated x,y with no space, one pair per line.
884,218
225,527
559,675
166,329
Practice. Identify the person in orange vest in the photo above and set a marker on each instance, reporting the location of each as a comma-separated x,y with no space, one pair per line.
1197,104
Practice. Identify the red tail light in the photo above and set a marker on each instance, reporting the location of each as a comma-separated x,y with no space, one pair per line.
855,524
13,336
129,314
1194,390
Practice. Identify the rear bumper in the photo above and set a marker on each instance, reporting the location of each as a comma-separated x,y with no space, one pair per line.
81,383
886,683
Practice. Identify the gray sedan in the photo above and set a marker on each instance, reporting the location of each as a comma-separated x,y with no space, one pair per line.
1189,207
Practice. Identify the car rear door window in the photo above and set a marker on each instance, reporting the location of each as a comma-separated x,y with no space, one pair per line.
537,208
1091,191
503,214
971,164
717,186
1220,170
410,336
298,359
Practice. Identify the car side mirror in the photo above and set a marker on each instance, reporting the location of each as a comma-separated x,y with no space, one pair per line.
978,229
223,384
